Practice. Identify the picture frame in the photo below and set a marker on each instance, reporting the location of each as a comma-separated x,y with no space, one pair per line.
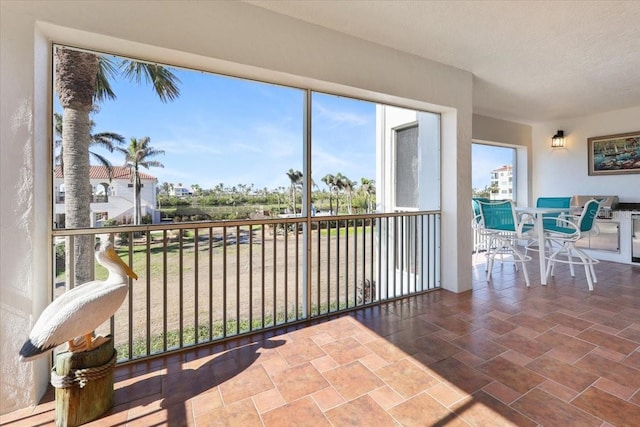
614,154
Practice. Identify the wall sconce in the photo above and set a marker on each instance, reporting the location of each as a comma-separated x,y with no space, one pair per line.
558,140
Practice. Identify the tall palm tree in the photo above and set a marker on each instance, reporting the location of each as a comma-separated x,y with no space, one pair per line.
138,154
368,187
82,79
349,187
106,140
295,176
330,181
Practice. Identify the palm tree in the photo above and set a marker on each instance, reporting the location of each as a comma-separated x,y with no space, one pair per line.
138,154
349,187
295,176
330,181
106,140
81,81
368,187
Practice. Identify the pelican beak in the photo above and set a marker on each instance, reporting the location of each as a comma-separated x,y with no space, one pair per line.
114,257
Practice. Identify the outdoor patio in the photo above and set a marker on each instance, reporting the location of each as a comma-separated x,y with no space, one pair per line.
499,355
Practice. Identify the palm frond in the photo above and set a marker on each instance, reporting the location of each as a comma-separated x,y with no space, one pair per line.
107,140
106,72
164,82
103,162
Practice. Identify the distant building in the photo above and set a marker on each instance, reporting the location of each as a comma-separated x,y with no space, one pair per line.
502,183
181,192
110,199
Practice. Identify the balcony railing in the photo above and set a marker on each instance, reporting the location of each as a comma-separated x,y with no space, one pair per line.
210,281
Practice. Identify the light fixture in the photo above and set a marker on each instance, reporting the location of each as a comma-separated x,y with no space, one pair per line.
558,140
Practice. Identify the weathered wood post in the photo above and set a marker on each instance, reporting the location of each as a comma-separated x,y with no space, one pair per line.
84,384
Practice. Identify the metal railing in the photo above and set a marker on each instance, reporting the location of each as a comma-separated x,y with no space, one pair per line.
202,282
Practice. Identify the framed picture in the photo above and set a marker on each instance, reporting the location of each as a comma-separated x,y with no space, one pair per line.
614,154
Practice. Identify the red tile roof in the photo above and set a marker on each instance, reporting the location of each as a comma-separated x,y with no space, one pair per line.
100,172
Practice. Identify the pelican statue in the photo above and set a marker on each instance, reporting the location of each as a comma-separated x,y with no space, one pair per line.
79,311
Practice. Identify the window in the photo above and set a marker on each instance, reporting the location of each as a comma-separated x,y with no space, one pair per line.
407,167
233,146
493,171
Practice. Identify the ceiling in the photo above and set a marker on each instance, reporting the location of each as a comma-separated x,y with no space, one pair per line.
532,61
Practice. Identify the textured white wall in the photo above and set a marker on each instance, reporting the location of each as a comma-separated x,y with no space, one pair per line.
563,171
227,37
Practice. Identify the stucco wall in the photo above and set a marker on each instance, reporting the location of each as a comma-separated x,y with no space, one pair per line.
563,171
227,37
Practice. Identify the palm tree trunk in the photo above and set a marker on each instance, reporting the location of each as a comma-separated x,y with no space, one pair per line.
75,82
75,137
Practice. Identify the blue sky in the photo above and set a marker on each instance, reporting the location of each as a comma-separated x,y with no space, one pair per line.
234,131
486,158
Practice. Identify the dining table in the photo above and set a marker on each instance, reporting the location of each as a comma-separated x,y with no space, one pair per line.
538,215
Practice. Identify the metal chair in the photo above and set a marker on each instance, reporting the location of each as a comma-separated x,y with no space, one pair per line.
550,218
500,222
480,240
565,232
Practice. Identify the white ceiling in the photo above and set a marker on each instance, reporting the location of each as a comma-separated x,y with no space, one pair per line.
532,61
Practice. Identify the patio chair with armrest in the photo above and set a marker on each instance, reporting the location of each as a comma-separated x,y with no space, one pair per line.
549,219
500,221
481,240
565,232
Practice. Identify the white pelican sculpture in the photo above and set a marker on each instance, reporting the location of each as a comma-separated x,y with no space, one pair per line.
77,312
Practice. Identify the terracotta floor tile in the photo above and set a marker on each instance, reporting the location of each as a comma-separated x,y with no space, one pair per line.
361,411
515,357
387,351
346,350
612,342
495,324
265,401
608,407
299,381
461,376
516,377
300,351
614,388
445,395
484,410
633,360
569,321
245,384
237,414
631,334
501,392
526,346
562,373
547,410
617,372
536,323
422,410
406,378
435,347
353,380
302,412
558,390
386,397
480,345
327,398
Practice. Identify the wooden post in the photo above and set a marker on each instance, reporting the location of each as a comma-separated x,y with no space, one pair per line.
74,405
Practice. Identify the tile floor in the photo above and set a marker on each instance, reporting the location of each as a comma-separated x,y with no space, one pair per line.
500,355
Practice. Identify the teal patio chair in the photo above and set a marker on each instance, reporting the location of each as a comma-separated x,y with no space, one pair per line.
550,218
500,221
565,232
480,240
